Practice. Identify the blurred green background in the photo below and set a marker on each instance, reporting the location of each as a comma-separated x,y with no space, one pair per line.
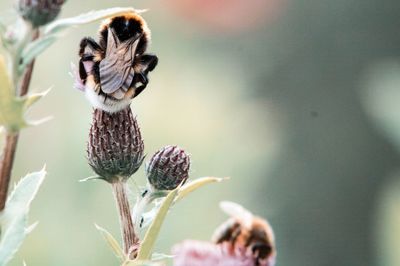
296,101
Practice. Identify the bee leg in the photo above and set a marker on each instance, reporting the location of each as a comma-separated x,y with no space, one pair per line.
82,71
138,90
88,46
148,62
87,51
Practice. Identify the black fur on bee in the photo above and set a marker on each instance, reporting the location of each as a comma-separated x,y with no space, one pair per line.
117,65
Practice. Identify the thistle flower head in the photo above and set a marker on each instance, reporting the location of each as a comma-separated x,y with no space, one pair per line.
168,168
39,12
115,146
199,253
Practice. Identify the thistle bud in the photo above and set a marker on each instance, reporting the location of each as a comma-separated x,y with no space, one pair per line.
115,146
168,168
39,12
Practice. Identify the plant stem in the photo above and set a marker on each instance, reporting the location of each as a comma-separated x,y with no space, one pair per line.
6,166
26,79
10,147
131,241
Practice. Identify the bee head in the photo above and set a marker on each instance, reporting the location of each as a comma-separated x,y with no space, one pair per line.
262,240
126,27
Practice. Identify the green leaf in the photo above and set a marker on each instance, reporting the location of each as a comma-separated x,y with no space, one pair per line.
33,49
115,247
15,215
150,237
90,178
196,184
62,24
32,98
13,108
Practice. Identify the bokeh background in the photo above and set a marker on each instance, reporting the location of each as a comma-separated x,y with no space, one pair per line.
296,101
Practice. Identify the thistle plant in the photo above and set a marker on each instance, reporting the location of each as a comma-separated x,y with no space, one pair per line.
33,30
112,72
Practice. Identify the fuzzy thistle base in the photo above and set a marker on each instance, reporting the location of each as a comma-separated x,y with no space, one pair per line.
115,147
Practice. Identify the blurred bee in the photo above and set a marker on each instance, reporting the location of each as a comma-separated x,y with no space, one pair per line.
246,233
114,70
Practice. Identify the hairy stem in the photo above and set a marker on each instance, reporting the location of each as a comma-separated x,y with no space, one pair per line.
10,146
131,241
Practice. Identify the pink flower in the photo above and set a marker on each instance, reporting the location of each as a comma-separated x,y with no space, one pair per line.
200,253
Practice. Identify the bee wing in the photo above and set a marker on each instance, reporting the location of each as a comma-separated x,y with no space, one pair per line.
116,70
237,211
112,41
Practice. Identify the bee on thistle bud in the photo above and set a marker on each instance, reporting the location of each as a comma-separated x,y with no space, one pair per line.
115,70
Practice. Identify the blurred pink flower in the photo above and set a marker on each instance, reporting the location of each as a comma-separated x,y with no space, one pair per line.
200,253
229,16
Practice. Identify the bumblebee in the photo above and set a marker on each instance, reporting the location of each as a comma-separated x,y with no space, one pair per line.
115,70
244,232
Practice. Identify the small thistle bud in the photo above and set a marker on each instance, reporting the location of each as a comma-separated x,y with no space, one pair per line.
39,12
168,168
115,146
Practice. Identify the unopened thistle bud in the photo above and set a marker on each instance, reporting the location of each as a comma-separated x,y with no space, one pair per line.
115,146
39,12
168,168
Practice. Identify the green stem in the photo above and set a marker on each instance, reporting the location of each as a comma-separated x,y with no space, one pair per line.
10,146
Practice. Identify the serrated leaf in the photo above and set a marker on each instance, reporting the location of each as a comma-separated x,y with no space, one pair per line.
14,216
11,239
151,235
196,184
13,108
33,49
112,242
62,24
